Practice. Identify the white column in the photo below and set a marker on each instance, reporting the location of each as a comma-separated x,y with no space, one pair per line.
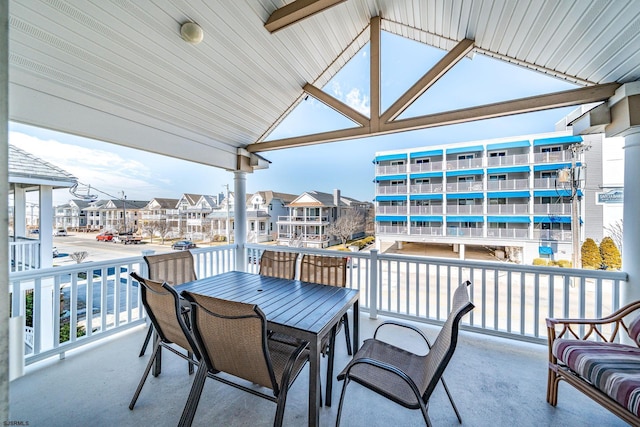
19,212
46,226
631,230
4,210
240,217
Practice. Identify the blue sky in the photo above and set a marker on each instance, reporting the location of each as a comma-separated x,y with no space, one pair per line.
346,165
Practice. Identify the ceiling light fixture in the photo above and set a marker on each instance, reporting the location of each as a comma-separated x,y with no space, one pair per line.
191,32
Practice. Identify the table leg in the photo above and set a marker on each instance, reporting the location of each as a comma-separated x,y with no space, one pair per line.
332,345
356,326
314,382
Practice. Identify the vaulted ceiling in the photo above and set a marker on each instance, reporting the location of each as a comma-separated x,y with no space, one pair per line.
119,71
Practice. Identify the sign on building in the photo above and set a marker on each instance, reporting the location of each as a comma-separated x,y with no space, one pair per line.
610,197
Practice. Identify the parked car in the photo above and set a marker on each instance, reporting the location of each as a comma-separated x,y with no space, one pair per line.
183,245
104,237
59,232
56,253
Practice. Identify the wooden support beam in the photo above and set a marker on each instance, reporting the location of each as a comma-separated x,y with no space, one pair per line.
426,81
297,11
374,72
318,138
337,105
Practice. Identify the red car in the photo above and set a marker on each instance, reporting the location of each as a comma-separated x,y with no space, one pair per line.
104,237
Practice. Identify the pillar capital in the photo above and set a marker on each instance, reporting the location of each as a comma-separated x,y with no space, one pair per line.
625,111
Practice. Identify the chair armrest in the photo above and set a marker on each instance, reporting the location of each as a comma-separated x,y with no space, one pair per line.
403,325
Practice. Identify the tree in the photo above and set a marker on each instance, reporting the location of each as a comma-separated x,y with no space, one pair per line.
346,225
610,254
149,228
79,256
162,228
590,255
615,231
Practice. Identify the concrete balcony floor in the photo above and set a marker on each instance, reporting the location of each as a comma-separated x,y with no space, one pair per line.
495,382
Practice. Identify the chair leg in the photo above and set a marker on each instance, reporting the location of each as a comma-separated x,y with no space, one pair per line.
282,401
332,346
425,415
347,335
190,356
156,347
344,388
146,340
191,406
157,364
446,389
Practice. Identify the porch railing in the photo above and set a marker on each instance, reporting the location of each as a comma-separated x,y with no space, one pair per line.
24,255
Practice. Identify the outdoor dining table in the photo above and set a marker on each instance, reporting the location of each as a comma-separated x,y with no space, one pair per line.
303,310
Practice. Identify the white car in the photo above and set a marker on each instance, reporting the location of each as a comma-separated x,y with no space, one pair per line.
60,232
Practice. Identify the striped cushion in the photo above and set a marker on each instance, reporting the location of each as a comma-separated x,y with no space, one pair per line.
612,368
634,330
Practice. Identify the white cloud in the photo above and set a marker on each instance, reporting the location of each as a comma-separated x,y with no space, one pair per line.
336,89
358,101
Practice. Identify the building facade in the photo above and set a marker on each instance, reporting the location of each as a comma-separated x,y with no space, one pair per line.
515,195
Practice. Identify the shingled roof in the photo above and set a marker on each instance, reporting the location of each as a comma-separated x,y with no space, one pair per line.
25,168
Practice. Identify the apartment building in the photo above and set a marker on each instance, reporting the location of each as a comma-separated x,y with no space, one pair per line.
515,195
71,215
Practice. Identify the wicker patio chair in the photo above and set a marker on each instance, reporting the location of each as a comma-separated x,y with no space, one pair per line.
174,268
402,376
278,264
233,340
164,308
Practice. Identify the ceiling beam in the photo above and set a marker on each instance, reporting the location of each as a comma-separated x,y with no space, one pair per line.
297,11
336,104
524,105
374,72
428,79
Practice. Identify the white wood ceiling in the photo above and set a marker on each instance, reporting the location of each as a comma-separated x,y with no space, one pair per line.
118,71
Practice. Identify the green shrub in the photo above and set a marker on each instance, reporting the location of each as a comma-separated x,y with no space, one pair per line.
591,257
610,254
65,331
540,261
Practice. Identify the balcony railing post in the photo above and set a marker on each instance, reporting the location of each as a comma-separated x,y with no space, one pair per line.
373,285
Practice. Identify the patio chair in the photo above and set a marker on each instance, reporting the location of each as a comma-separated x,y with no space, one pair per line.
402,376
278,264
233,341
164,308
174,268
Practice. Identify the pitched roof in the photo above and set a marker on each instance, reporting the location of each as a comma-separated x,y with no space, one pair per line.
25,168
165,203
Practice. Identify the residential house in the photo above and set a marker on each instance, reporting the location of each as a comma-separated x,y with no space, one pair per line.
193,210
72,215
160,216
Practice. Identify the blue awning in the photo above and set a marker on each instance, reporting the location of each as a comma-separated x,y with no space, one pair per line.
390,218
508,169
551,166
512,219
426,175
466,172
465,196
471,149
507,194
464,219
545,250
390,177
390,198
552,219
401,156
426,153
554,193
432,218
513,144
425,197
558,140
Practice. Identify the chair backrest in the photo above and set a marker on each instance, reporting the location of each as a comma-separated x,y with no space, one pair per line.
174,268
326,270
162,304
445,344
232,337
278,264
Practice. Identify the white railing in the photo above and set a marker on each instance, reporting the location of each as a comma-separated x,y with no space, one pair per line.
427,231
426,167
426,210
508,184
464,209
555,208
561,235
24,255
554,156
426,188
391,210
391,229
464,163
391,189
514,159
464,232
544,183
390,169
77,304
303,219
511,233
464,186
510,300
511,208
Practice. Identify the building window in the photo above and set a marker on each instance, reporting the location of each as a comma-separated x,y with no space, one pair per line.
550,174
502,177
552,149
499,201
463,202
419,161
466,178
396,182
497,154
422,180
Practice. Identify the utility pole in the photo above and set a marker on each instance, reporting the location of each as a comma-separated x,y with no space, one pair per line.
124,210
573,178
228,215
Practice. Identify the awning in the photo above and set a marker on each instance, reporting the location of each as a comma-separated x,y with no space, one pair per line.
425,197
558,140
507,194
402,156
545,250
555,193
429,218
426,153
466,172
471,149
390,218
513,144
552,219
390,177
426,175
507,169
454,196
551,166
464,219
390,198
512,219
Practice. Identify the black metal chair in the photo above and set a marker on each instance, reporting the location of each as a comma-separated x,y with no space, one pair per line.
233,339
402,376
278,264
163,306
